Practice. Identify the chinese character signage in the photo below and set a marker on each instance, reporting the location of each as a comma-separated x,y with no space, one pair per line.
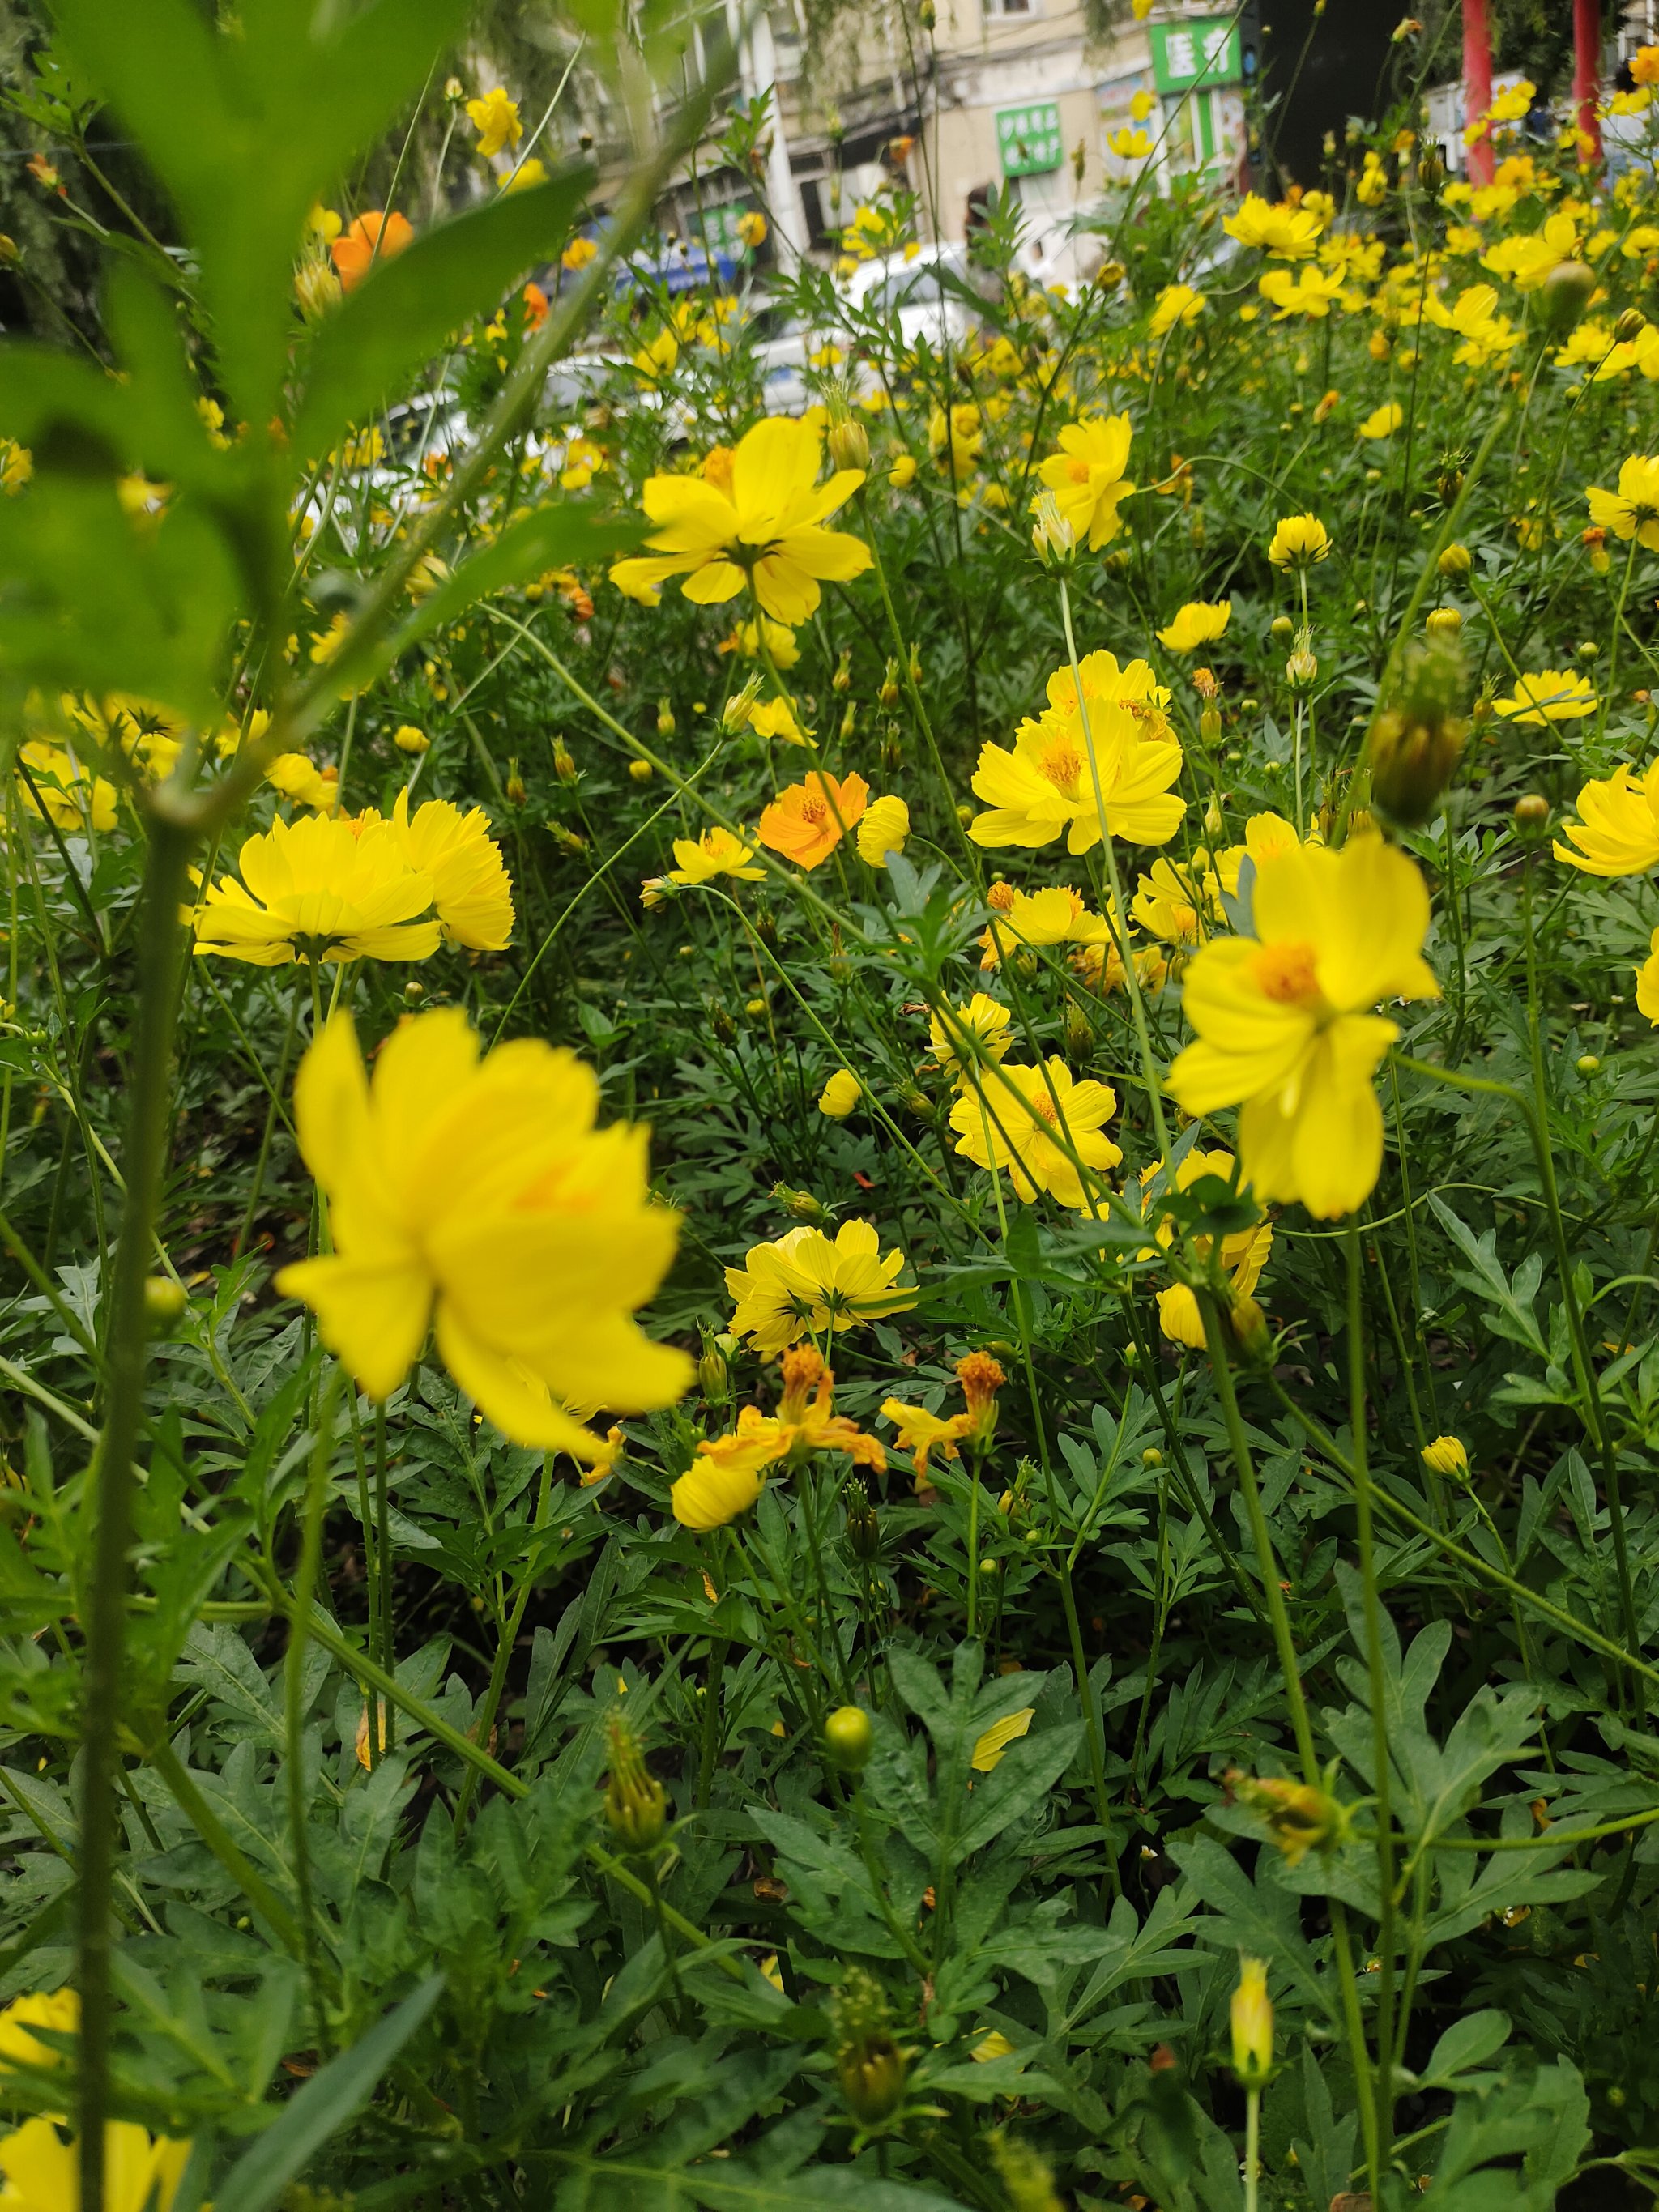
1028,138
1186,54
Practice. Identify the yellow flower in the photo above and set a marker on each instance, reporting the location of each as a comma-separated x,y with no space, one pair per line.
495,119
60,2013
884,828
1298,542
476,1194
1178,901
1086,476
956,438
1647,982
1553,694
961,1036
301,783
1289,233
579,253
1383,422
989,1747
1446,1455
1176,303
316,890
1632,510
1282,1022
729,1472
1200,621
778,638
717,853
71,796
1311,291
1618,834
806,1283
921,1433
42,2172
1056,914
751,228
1244,1253
17,467
762,527
1252,2023
527,173
1039,1123
840,1095
472,890
1130,144
903,474
1046,787
776,718
807,820
410,739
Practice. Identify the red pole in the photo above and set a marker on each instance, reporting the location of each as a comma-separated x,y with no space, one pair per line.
1477,84
1586,75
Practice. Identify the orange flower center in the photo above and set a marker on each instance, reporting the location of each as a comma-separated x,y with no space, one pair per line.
1063,768
1288,972
1078,471
813,811
1043,1106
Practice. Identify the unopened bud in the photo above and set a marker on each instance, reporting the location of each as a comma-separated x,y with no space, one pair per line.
1209,726
636,1803
1630,326
1417,739
1283,630
870,2067
1443,621
1531,812
164,1303
848,443
564,766
842,679
1456,562
801,1206
664,719
1564,295
1300,1818
863,1527
848,1738
1431,173
642,771
1252,2022
1053,538
1301,670
889,694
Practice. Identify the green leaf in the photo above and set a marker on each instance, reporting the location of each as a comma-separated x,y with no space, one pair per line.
1465,2044
1027,1772
402,313
327,2102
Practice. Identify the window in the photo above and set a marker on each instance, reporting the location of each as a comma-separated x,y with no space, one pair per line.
1010,7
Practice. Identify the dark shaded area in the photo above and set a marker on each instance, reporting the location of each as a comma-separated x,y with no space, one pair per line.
1318,71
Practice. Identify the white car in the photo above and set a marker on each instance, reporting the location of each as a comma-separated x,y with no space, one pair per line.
920,292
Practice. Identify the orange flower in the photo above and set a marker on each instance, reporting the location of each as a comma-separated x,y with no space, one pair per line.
356,250
806,822
535,307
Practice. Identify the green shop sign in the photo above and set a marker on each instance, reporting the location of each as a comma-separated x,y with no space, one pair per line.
1186,54
1028,138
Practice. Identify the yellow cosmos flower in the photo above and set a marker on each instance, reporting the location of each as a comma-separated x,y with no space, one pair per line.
990,1747
840,1095
1039,1123
1086,476
1383,422
1647,982
1057,915
1618,834
1289,233
69,794
476,1194
316,890
1311,293
1282,1020
885,829
717,853
1200,621
729,1472
1179,902
1298,542
903,474
1632,510
956,438
759,521
60,2013
776,718
1553,694
806,1283
472,890
1176,303
921,1433
777,639
302,783
1446,1455
42,2172
1045,786
495,119
1244,1253
961,1037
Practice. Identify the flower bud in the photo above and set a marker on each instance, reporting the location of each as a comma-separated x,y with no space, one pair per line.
1080,1036
1531,812
564,766
165,1302
1431,173
1300,1818
317,290
1417,739
870,2067
409,740
1249,1327
1209,726
863,1531
641,771
842,679
664,719
801,1206
1301,670
1456,562
1630,326
889,694
848,443
636,1803
512,789
1283,630
725,1029
1443,621
1252,2022
1564,294
713,1379
1052,539
848,1738
1446,1456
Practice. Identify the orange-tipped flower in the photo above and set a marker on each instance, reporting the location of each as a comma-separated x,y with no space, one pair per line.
808,820
372,236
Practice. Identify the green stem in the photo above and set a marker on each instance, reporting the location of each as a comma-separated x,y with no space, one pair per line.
105,1609
299,1808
